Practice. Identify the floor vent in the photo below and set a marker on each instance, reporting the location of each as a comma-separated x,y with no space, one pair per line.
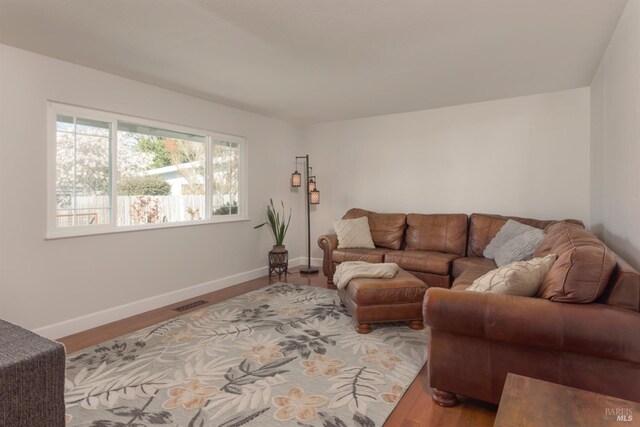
191,305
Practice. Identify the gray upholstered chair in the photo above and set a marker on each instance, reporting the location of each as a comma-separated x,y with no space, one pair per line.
31,379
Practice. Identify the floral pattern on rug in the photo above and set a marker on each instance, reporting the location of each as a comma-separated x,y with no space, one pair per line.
282,355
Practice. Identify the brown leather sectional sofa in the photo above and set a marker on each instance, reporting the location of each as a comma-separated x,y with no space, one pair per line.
436,248
582,331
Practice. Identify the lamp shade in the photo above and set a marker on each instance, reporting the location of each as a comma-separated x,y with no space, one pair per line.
312,183
314,197
296,179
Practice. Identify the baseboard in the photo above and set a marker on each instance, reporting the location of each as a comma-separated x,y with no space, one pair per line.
88,321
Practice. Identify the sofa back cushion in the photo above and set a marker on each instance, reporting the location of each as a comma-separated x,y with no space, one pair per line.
387,230
484,227
583,268
623,289
439,233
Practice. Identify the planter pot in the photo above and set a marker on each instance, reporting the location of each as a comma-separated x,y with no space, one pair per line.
279,249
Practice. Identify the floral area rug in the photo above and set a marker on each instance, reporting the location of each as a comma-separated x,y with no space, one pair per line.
279,356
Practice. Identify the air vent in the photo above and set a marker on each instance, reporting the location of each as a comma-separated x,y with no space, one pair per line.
191,305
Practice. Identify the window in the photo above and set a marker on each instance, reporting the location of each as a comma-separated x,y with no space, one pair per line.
111,172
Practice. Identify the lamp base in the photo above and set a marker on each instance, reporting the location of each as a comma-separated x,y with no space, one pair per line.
309,270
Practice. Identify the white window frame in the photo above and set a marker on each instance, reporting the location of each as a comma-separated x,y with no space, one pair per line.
54,232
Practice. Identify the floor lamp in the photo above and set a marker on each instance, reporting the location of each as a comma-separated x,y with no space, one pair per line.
313,198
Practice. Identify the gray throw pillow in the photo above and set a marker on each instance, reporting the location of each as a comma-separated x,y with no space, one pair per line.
519,248
508,231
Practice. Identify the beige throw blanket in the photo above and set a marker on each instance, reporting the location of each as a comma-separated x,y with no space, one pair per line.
353,269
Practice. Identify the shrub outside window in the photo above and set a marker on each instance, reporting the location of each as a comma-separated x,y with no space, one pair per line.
109,172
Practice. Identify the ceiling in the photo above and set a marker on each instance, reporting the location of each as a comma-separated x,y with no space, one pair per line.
311,61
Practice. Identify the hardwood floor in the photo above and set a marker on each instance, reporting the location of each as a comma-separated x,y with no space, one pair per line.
414,409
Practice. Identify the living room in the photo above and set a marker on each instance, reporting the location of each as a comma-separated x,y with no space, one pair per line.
515,108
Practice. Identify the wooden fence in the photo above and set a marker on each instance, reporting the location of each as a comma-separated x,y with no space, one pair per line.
95,210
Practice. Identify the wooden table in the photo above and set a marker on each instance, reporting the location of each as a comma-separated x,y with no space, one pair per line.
531,402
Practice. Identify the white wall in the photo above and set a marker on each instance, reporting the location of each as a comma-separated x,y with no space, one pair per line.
526,156
44,282
615,139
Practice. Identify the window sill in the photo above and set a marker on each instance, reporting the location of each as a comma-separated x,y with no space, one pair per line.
99,230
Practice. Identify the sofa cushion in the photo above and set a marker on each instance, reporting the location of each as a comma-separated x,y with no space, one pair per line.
438,233
422,261
368,255
387,230
484,227
522,278
469,274
461,264
583,267
353,233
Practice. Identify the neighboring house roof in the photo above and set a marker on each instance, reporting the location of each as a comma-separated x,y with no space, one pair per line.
173,169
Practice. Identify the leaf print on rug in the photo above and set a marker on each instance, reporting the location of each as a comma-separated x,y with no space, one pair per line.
284,355
356,387
312,341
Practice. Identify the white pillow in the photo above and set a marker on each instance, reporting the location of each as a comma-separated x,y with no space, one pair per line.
353,233
521,278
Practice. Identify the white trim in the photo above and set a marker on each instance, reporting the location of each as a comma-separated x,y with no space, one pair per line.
51,167
102,317
243,187
107,116
96,230
113,180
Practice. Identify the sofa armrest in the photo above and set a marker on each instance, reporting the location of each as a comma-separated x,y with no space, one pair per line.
328,242
593,329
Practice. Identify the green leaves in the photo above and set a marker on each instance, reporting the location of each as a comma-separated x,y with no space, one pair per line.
249,372
243,418
276,222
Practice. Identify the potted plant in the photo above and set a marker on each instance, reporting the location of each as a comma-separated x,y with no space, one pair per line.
277,225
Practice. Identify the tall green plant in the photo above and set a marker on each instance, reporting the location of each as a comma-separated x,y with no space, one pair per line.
276,222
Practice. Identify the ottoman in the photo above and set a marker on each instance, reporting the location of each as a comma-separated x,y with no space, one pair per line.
371,300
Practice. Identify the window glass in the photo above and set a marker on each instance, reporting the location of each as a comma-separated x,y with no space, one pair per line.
224,181
83,180
161,177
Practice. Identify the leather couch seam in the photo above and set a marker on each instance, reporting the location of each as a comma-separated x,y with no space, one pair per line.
446,233
574,249
573,246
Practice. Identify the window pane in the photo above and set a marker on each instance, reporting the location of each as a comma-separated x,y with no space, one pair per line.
161,178
225,167
82,171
